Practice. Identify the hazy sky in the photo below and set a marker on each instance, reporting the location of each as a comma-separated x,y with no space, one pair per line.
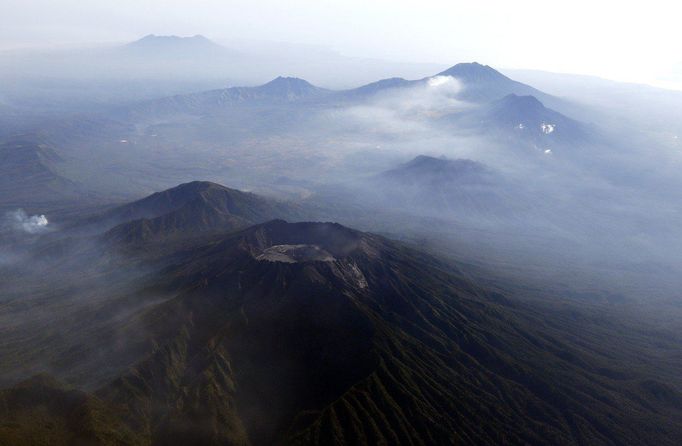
632,41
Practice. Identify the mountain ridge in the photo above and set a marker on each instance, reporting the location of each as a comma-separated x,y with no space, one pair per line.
28,174
171,46
382,343
190,208
482,83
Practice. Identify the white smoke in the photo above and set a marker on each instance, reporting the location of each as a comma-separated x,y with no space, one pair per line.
405,110
21,221
447,84
547,128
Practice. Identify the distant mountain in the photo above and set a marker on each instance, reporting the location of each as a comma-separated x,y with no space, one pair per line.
528,115
524,118
430,169
152,54
314,333
175,46
28,175
627,104
222,123
460,188
278,92
287,89
379,86
191,209
481,83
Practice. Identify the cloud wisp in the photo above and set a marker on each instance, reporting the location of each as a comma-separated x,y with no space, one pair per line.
20,221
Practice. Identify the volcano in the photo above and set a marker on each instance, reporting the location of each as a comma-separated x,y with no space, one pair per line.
315,333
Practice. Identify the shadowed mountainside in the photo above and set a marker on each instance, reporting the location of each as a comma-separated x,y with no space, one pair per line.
482,83
187,209
524,118
370,343
28,175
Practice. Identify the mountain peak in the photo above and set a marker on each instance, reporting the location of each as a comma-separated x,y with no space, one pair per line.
482,83
198,206
286,81
426,161
180,194
165,201
194,187
153,38
425,167
527,117
474,72
290,88
154,45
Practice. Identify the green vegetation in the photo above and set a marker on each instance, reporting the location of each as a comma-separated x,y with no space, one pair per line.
383,345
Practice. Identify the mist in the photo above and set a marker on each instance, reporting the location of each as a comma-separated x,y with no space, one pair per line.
557,203
267,215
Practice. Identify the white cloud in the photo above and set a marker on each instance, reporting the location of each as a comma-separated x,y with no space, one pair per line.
437,81
547,128
21,221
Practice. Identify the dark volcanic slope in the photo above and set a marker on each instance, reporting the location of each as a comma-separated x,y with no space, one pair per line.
40,411
380,344
529,117
464,188
313,333
189,209
524,118
28,176
437,170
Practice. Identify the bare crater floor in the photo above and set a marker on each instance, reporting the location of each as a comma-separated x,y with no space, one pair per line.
295,254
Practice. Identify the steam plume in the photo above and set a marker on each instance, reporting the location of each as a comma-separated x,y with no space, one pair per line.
33,224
